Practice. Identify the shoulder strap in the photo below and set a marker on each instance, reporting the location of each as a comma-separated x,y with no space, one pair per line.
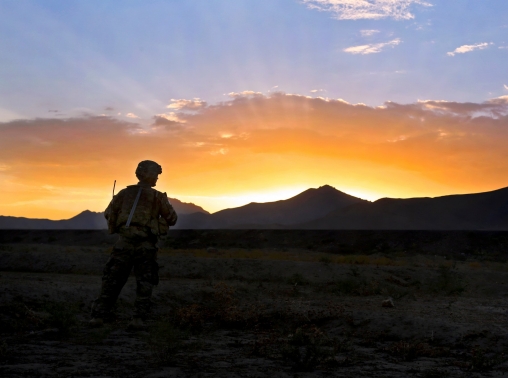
131,214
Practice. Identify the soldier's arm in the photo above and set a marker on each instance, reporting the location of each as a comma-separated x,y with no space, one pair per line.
114,205
167,211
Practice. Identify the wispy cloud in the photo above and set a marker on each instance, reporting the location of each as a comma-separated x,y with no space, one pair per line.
244,94
468,48
170,117
371,48
182,104
368,32
506,87
131,115
367,9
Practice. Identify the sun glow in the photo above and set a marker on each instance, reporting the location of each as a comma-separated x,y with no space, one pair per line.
256,149
216,203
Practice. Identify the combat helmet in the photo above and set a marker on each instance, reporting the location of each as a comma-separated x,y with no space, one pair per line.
147,168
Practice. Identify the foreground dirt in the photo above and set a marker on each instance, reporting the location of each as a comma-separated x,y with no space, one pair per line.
234,313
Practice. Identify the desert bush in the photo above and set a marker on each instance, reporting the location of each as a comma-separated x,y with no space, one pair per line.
3,349
166,341
193,317
325,260
480,360
413,349
62,316
306,347
221,308
356,286
448,281
297,279
435,373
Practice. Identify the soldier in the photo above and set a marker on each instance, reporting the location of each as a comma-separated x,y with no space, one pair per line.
139,214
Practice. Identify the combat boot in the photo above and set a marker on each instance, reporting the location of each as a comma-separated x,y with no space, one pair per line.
136,324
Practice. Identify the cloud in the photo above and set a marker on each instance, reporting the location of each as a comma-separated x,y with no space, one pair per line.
245,93
468,48
372,48
131,115
182,104
170,117
368,33
506,87
430,147
169,124
367,9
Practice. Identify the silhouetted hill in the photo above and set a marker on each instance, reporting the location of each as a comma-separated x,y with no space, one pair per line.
324,208
480,211
86,220
306,206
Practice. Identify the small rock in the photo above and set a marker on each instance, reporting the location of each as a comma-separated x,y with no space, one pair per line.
212,250
388,303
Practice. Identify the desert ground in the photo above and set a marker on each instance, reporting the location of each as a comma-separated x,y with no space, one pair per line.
247,311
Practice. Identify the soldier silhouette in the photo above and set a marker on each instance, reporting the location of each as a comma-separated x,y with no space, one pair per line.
139,214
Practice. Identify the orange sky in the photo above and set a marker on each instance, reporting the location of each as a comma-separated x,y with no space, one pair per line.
256,148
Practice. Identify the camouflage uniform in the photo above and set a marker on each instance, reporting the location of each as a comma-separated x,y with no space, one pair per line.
136,247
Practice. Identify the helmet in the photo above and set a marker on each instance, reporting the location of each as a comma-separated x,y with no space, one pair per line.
147,167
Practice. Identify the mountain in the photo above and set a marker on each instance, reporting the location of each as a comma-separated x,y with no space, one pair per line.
186,207
323,208
86,220
304,207
480,211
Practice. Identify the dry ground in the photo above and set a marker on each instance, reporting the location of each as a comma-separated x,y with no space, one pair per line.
256,313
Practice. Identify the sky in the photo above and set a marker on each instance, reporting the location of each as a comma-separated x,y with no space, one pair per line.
251,100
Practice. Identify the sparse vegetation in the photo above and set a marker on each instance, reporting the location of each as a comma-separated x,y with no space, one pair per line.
448,281
61,316
265,309
410,350
297,279
166,341
482,360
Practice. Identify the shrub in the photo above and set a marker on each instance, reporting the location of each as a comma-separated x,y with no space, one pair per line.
166,341
297,279
62,316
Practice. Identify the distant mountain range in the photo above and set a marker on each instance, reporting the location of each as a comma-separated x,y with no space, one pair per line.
87,220
323,208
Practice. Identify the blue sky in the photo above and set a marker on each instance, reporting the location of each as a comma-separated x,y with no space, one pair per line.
85,56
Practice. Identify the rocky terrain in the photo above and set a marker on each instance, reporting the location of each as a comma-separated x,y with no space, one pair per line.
247,311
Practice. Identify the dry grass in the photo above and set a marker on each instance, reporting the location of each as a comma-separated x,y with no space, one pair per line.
278,255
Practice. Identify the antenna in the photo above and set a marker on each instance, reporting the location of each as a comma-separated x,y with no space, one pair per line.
114,184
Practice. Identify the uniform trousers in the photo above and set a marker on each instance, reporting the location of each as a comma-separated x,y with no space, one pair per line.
126,255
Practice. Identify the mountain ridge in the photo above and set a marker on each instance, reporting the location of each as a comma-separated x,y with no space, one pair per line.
324,208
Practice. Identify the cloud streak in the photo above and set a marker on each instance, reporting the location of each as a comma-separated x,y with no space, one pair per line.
468,48
183,104
367,9
368,33
371,48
